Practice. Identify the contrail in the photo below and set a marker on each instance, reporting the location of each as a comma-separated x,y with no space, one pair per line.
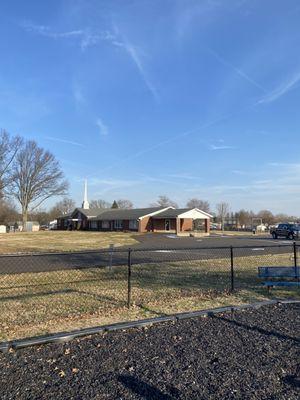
178,136
237,70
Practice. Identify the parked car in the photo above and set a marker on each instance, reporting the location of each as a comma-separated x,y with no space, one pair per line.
52,226
287,230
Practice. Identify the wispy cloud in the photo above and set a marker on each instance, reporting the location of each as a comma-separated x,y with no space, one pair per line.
103,129
204,12
118,40
55,139
46,31
146,178
237,70
85,37
112,185
282,89
238,172
181,135
295,167
183,176
113,182
78,94
214,147
133,53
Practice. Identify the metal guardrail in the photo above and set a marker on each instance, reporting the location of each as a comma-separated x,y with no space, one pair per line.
64,337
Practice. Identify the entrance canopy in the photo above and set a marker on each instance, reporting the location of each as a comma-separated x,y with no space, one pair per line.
183,220
189,213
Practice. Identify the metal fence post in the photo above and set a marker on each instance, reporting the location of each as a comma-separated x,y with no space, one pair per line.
111,252
231,269
129,280
295,259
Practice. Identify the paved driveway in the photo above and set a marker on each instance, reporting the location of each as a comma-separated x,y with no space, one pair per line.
152,248
160,241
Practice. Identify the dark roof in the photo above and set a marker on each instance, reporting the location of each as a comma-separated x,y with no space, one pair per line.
116,213
91,212
64,216
172,213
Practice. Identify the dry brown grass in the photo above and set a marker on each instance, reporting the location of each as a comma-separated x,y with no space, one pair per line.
44,241
240,233
40,303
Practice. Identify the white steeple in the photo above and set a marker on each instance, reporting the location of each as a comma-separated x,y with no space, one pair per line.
85,204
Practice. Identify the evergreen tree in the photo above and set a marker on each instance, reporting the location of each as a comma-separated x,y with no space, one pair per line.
114,204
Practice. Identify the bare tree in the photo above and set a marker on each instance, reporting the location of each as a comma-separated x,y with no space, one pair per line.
281,217
41,216
62,207
36,176
124,204
8,212
9,147
222,211
285,218
99,204
164,201
244,218
266,216
198,203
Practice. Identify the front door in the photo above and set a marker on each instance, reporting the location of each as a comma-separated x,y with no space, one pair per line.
167,225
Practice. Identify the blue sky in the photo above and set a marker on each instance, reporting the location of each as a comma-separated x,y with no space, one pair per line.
185,98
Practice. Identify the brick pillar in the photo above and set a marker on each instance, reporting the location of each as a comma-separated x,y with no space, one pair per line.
177,225
140,225
207,225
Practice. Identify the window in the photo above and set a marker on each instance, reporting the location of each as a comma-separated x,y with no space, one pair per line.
94,225
133,224
118,224
105,224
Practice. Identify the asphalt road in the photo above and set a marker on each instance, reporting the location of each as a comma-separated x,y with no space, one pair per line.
150,249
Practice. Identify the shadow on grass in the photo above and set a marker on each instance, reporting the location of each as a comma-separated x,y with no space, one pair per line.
103,299
100,298
190,275
176,277
149,310
51,284
101,275
32,295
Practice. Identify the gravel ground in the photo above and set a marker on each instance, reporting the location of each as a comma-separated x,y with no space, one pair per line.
251,354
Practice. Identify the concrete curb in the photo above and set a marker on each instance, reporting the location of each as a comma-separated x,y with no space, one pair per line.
67,336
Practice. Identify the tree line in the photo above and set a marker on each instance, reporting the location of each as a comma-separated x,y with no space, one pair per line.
30,175
222,213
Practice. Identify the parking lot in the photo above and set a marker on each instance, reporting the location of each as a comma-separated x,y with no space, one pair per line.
151,247
158,241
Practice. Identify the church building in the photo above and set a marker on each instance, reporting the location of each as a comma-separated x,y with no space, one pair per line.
153,219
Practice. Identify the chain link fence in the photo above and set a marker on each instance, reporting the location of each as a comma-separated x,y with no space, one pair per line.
63,291
247,260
